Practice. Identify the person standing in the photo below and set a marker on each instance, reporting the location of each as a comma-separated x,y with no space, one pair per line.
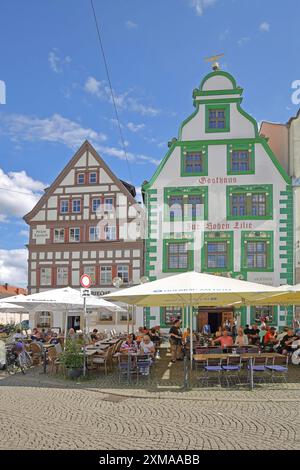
176,341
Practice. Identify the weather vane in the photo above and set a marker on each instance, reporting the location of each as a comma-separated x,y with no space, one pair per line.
214,59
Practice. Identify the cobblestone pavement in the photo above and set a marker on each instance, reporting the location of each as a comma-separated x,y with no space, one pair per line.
42,412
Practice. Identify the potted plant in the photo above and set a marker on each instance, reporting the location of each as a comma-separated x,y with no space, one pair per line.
72,358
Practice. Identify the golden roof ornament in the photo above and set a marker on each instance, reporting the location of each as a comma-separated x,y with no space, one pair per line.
214,59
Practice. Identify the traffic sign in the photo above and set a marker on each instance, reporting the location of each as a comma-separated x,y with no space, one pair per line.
85,281
85,292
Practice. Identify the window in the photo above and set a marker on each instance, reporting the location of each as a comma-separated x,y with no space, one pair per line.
258,206
217,118
43,320
193,163
80,178
265,313
238,205
250,202
177,256
257,255
108,204
170,314
110,232
96,203
216,254
62,278
240,161
76,205
123,273
91,271
94,235
74,235
257,251
93,177
186,203
46,276
64,206
105,275
106,317
125,317
59,235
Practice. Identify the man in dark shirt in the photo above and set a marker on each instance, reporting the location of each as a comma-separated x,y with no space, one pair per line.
254,334
247,330
286,342
175,341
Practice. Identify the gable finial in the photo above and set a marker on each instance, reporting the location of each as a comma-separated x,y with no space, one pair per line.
214,59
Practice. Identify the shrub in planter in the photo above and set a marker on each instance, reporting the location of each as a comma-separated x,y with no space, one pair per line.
72,358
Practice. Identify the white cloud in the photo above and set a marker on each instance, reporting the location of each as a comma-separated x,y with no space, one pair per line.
135,127
13,267
18,194
264,27
243,41
56,62
224,35
24,233
130,24
101,90
200,5
53,129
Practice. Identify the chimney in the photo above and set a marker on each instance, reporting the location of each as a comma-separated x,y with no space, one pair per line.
6,286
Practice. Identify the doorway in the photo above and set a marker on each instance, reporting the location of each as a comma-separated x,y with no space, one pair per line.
74,322
215,317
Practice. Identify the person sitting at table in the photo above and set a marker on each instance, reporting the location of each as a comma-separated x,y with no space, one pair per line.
241,339
140,334
225,340
71,334
130,345
147,346
270,336
36,335
286,342
154,336
247,330
54,338
94,336
18,334
254,334
218,332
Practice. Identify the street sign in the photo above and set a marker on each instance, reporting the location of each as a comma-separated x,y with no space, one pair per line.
85,281
85,292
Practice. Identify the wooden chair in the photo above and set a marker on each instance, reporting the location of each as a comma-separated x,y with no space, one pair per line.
104,361
36,352
53,359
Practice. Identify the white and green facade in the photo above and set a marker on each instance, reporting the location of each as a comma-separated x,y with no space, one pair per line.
220,202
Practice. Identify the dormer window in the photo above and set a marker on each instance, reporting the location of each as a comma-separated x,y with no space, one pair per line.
217,118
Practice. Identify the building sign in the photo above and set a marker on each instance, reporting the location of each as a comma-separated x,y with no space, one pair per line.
40,234
262,278
218,180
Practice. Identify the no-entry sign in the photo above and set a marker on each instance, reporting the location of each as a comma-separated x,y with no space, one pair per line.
85,281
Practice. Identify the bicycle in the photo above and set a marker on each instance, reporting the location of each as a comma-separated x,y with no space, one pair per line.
17,358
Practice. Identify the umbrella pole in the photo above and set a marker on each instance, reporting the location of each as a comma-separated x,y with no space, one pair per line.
84,333
191,335
66,327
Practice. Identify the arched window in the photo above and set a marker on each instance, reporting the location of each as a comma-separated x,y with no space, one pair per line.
43,320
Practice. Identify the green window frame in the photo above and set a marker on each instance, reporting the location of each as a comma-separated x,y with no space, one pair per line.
186,198
245,198
237,160
172,313
258,238
265,310
189,254
211,108
211,238
189,165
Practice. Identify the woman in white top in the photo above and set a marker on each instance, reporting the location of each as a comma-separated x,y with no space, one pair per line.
147,346
241,339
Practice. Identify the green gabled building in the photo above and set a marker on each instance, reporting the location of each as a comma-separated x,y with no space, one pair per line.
220,203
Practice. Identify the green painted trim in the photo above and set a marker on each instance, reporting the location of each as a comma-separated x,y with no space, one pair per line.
234,147
192,147
185,191
229,240
281,170
190,255
219,73
250,118
236,91
241,189
226,108
215,101
162,319
189,118
251,236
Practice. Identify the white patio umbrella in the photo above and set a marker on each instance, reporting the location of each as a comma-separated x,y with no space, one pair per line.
6,307
192,289
282,295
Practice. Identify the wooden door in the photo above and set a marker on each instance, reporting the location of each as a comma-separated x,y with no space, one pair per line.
226,316
202,320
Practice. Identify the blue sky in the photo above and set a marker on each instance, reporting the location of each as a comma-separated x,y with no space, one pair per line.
57,89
